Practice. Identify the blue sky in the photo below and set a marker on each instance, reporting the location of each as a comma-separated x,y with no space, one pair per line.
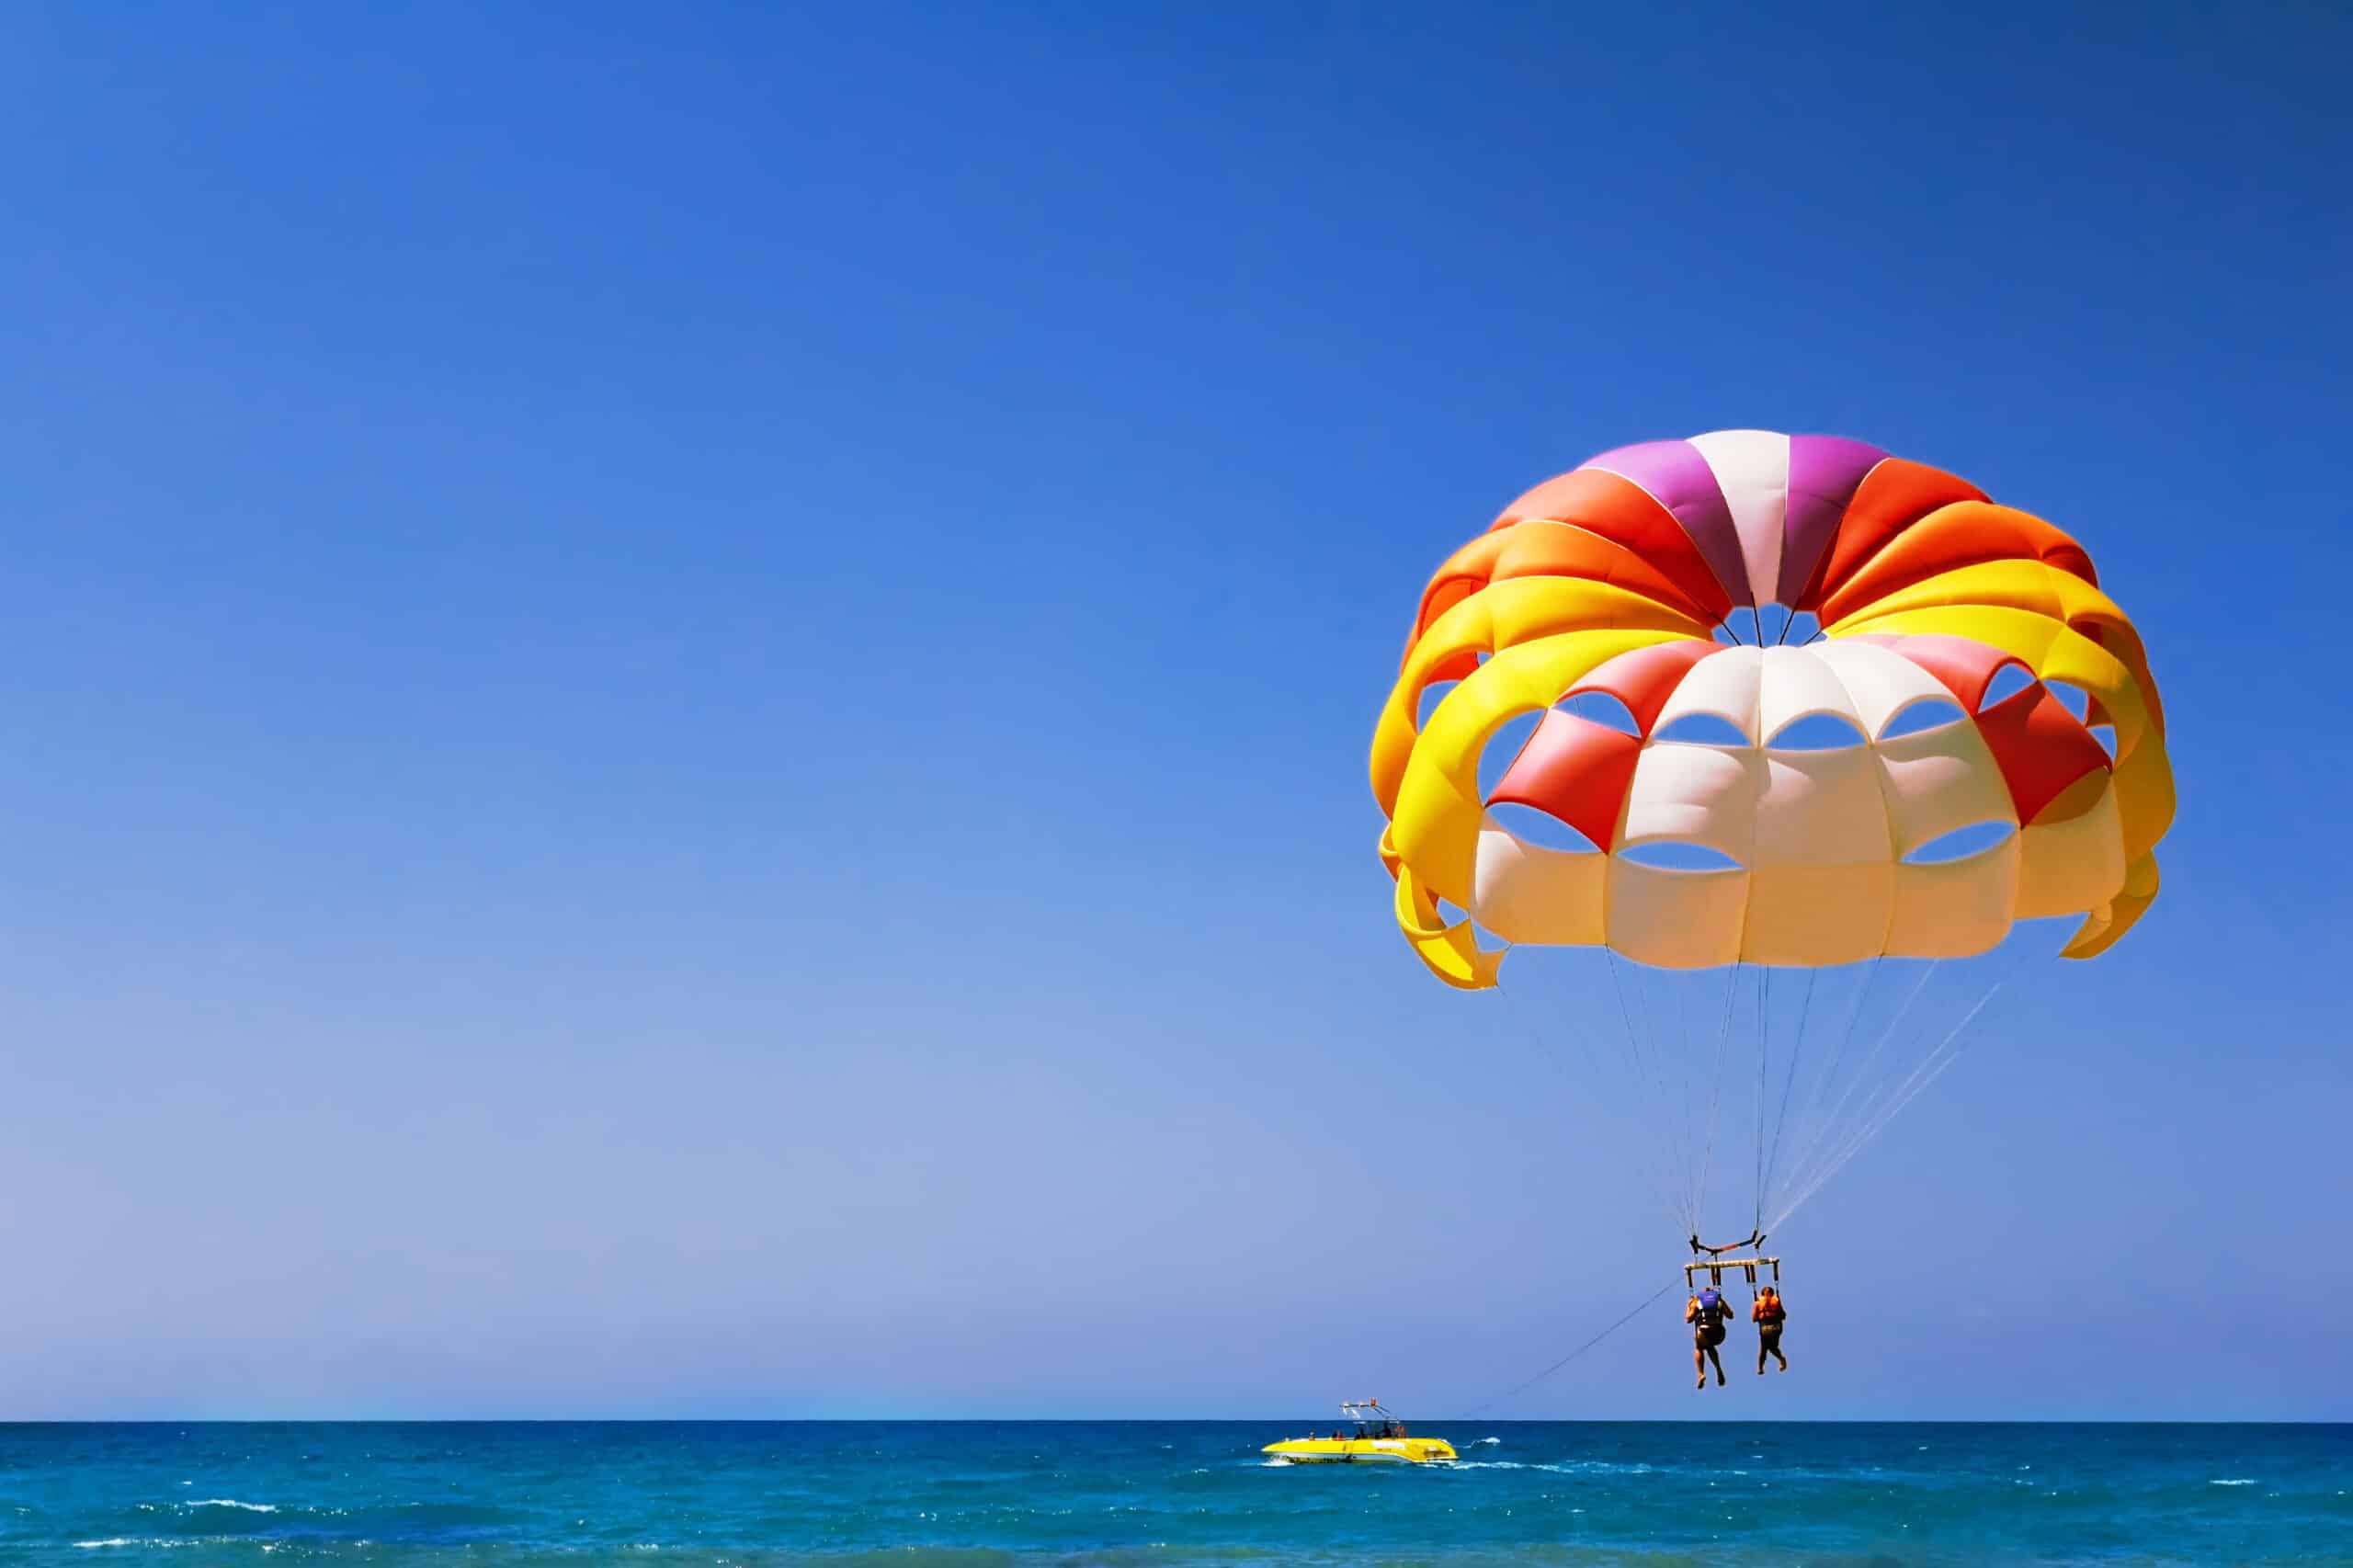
688,692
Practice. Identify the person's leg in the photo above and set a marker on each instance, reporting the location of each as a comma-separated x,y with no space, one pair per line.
1719,1362
1763,1344
1699,1363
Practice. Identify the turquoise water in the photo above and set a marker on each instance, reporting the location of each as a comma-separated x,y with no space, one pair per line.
983,1493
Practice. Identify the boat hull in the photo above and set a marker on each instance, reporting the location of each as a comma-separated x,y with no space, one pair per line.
1363,1450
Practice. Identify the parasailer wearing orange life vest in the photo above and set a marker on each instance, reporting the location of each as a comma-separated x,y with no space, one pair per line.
1769,1314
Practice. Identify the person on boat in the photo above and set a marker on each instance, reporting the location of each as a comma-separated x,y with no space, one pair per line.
1706,1314
1769,1314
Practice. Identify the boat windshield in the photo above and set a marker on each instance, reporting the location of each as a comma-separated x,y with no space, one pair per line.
1373,1420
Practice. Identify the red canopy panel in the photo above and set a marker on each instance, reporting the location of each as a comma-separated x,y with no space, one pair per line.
1574,770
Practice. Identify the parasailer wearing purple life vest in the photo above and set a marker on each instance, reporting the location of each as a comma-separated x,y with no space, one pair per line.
1706,1314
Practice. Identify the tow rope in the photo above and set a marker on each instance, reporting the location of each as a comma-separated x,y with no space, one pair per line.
1532,1383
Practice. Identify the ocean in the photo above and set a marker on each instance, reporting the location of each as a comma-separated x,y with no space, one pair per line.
978,1494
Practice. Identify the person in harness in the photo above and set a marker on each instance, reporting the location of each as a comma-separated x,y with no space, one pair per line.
1706,1313
1768,1315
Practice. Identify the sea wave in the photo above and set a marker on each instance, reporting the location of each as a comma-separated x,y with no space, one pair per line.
1565,1467
231,1503
2236,1480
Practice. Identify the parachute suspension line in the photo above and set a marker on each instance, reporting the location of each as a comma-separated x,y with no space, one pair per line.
1788,1079
1540,1042
1828,1132
1813,1128
1673,1115
1537,1041
1716,1088
1672,1119
1764,1055
1684,1095
1675,1126
1932,1067
1523,1387
1663,1188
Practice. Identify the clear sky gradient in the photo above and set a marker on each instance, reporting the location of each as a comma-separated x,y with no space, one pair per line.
685,693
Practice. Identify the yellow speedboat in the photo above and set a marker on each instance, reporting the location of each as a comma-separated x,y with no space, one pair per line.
1374,1436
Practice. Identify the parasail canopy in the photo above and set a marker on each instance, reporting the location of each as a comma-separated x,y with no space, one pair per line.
1952,631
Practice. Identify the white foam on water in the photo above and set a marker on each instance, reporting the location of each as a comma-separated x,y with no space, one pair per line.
232,1502
2236,1480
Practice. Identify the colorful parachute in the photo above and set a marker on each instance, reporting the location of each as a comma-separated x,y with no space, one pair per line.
1610,601
1609,578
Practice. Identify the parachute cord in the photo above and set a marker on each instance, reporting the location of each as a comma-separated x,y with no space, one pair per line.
1932,1067
1828,1133
1532,1383
1682,999
1658,1175
1788,1078
1716,1090
1650,1093
1540,1043
1675,1111
1677,1158
1537,1041
1815,1129
1764,1054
